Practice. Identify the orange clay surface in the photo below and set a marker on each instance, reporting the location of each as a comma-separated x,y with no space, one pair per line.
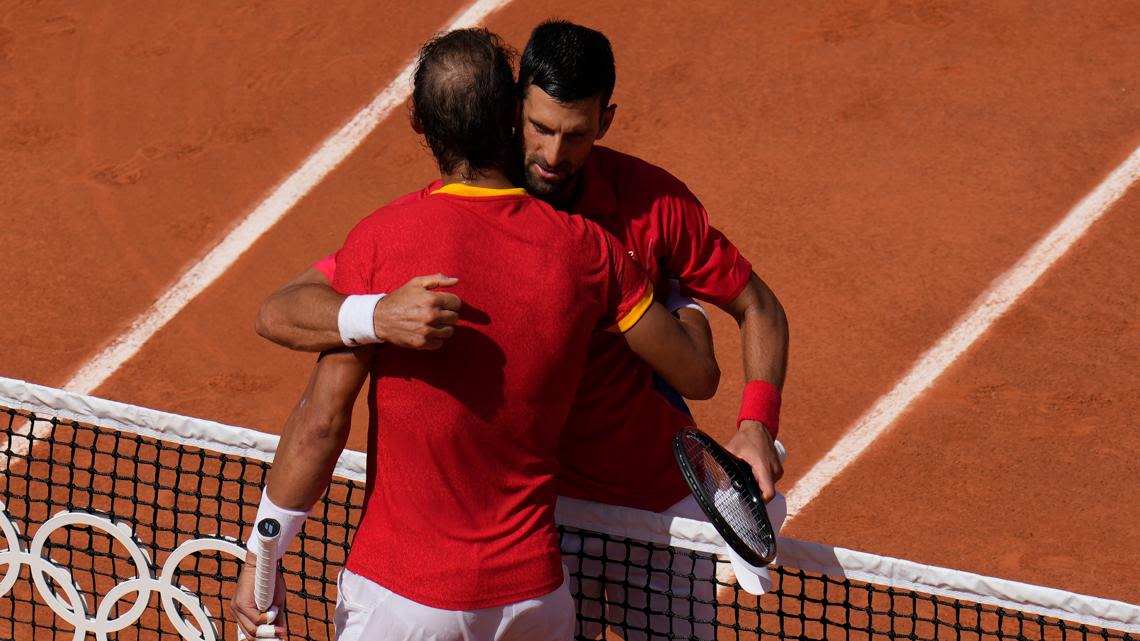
879,162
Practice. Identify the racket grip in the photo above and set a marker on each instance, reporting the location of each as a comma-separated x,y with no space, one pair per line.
267,532
781,453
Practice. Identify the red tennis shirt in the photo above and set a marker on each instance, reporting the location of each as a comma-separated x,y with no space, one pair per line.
621,408
464,440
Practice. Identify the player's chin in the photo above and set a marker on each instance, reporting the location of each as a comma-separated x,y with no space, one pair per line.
541,187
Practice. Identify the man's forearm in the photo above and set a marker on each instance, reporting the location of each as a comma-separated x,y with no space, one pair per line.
306,315
305,458
312,440
302,315
662,341
316,431
763,333
764,340
696,326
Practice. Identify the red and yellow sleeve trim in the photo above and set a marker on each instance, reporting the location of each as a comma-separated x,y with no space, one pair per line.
471,191
635,314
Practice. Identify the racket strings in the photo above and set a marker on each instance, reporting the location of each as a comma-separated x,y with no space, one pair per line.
722,489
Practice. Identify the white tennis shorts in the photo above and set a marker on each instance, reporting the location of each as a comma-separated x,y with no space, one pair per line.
367,611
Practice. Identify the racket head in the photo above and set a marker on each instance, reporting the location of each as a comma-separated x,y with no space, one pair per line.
728,494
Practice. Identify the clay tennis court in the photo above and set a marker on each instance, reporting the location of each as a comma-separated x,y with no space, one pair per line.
883,165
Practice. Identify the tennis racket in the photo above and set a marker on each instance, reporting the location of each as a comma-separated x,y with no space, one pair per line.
728,494
265,572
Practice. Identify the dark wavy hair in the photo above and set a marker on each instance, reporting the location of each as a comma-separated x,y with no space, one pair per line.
465,100
569,62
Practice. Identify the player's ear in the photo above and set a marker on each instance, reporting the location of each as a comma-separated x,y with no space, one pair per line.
417,126
607,119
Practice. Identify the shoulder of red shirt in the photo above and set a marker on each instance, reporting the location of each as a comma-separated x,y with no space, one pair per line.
620,185
410,197
327,265
624,172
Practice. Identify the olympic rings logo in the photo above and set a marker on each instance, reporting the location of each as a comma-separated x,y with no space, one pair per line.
69,603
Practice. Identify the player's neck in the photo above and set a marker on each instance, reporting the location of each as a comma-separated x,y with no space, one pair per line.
489,179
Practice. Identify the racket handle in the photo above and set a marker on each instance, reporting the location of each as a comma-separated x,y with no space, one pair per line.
781,453
265,572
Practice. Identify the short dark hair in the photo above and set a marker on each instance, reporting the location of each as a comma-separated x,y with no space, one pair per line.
569,62
465,100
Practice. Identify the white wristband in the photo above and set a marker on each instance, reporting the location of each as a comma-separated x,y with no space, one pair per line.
674,300
291,523
691,304
355,320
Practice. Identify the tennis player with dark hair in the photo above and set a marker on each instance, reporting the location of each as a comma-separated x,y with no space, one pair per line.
457,540
567,77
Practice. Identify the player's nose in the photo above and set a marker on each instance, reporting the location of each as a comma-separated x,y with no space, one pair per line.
555,152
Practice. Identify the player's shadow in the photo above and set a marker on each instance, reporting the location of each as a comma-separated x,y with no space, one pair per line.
469,366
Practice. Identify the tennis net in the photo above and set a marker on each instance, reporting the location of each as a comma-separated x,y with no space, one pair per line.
120,522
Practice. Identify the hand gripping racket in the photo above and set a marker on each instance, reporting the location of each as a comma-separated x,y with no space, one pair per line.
728,494
265,573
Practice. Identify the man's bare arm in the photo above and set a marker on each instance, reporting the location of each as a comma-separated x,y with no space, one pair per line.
302,315
764,341
678,349
316,431
701,356
763,332
311,441
694,321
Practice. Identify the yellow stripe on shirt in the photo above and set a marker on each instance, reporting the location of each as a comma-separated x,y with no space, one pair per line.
460,189
629,320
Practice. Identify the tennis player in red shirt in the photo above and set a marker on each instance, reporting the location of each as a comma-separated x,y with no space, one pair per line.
567,78
457,540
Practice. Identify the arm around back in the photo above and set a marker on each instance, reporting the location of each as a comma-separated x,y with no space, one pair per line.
302,315
683,358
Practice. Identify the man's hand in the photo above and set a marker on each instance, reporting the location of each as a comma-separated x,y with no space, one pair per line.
755,445
417,317
245,610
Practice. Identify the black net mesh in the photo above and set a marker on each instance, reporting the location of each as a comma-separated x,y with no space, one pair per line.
168,494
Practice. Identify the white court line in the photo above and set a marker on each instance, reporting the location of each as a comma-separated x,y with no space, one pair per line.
990,306
327,157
